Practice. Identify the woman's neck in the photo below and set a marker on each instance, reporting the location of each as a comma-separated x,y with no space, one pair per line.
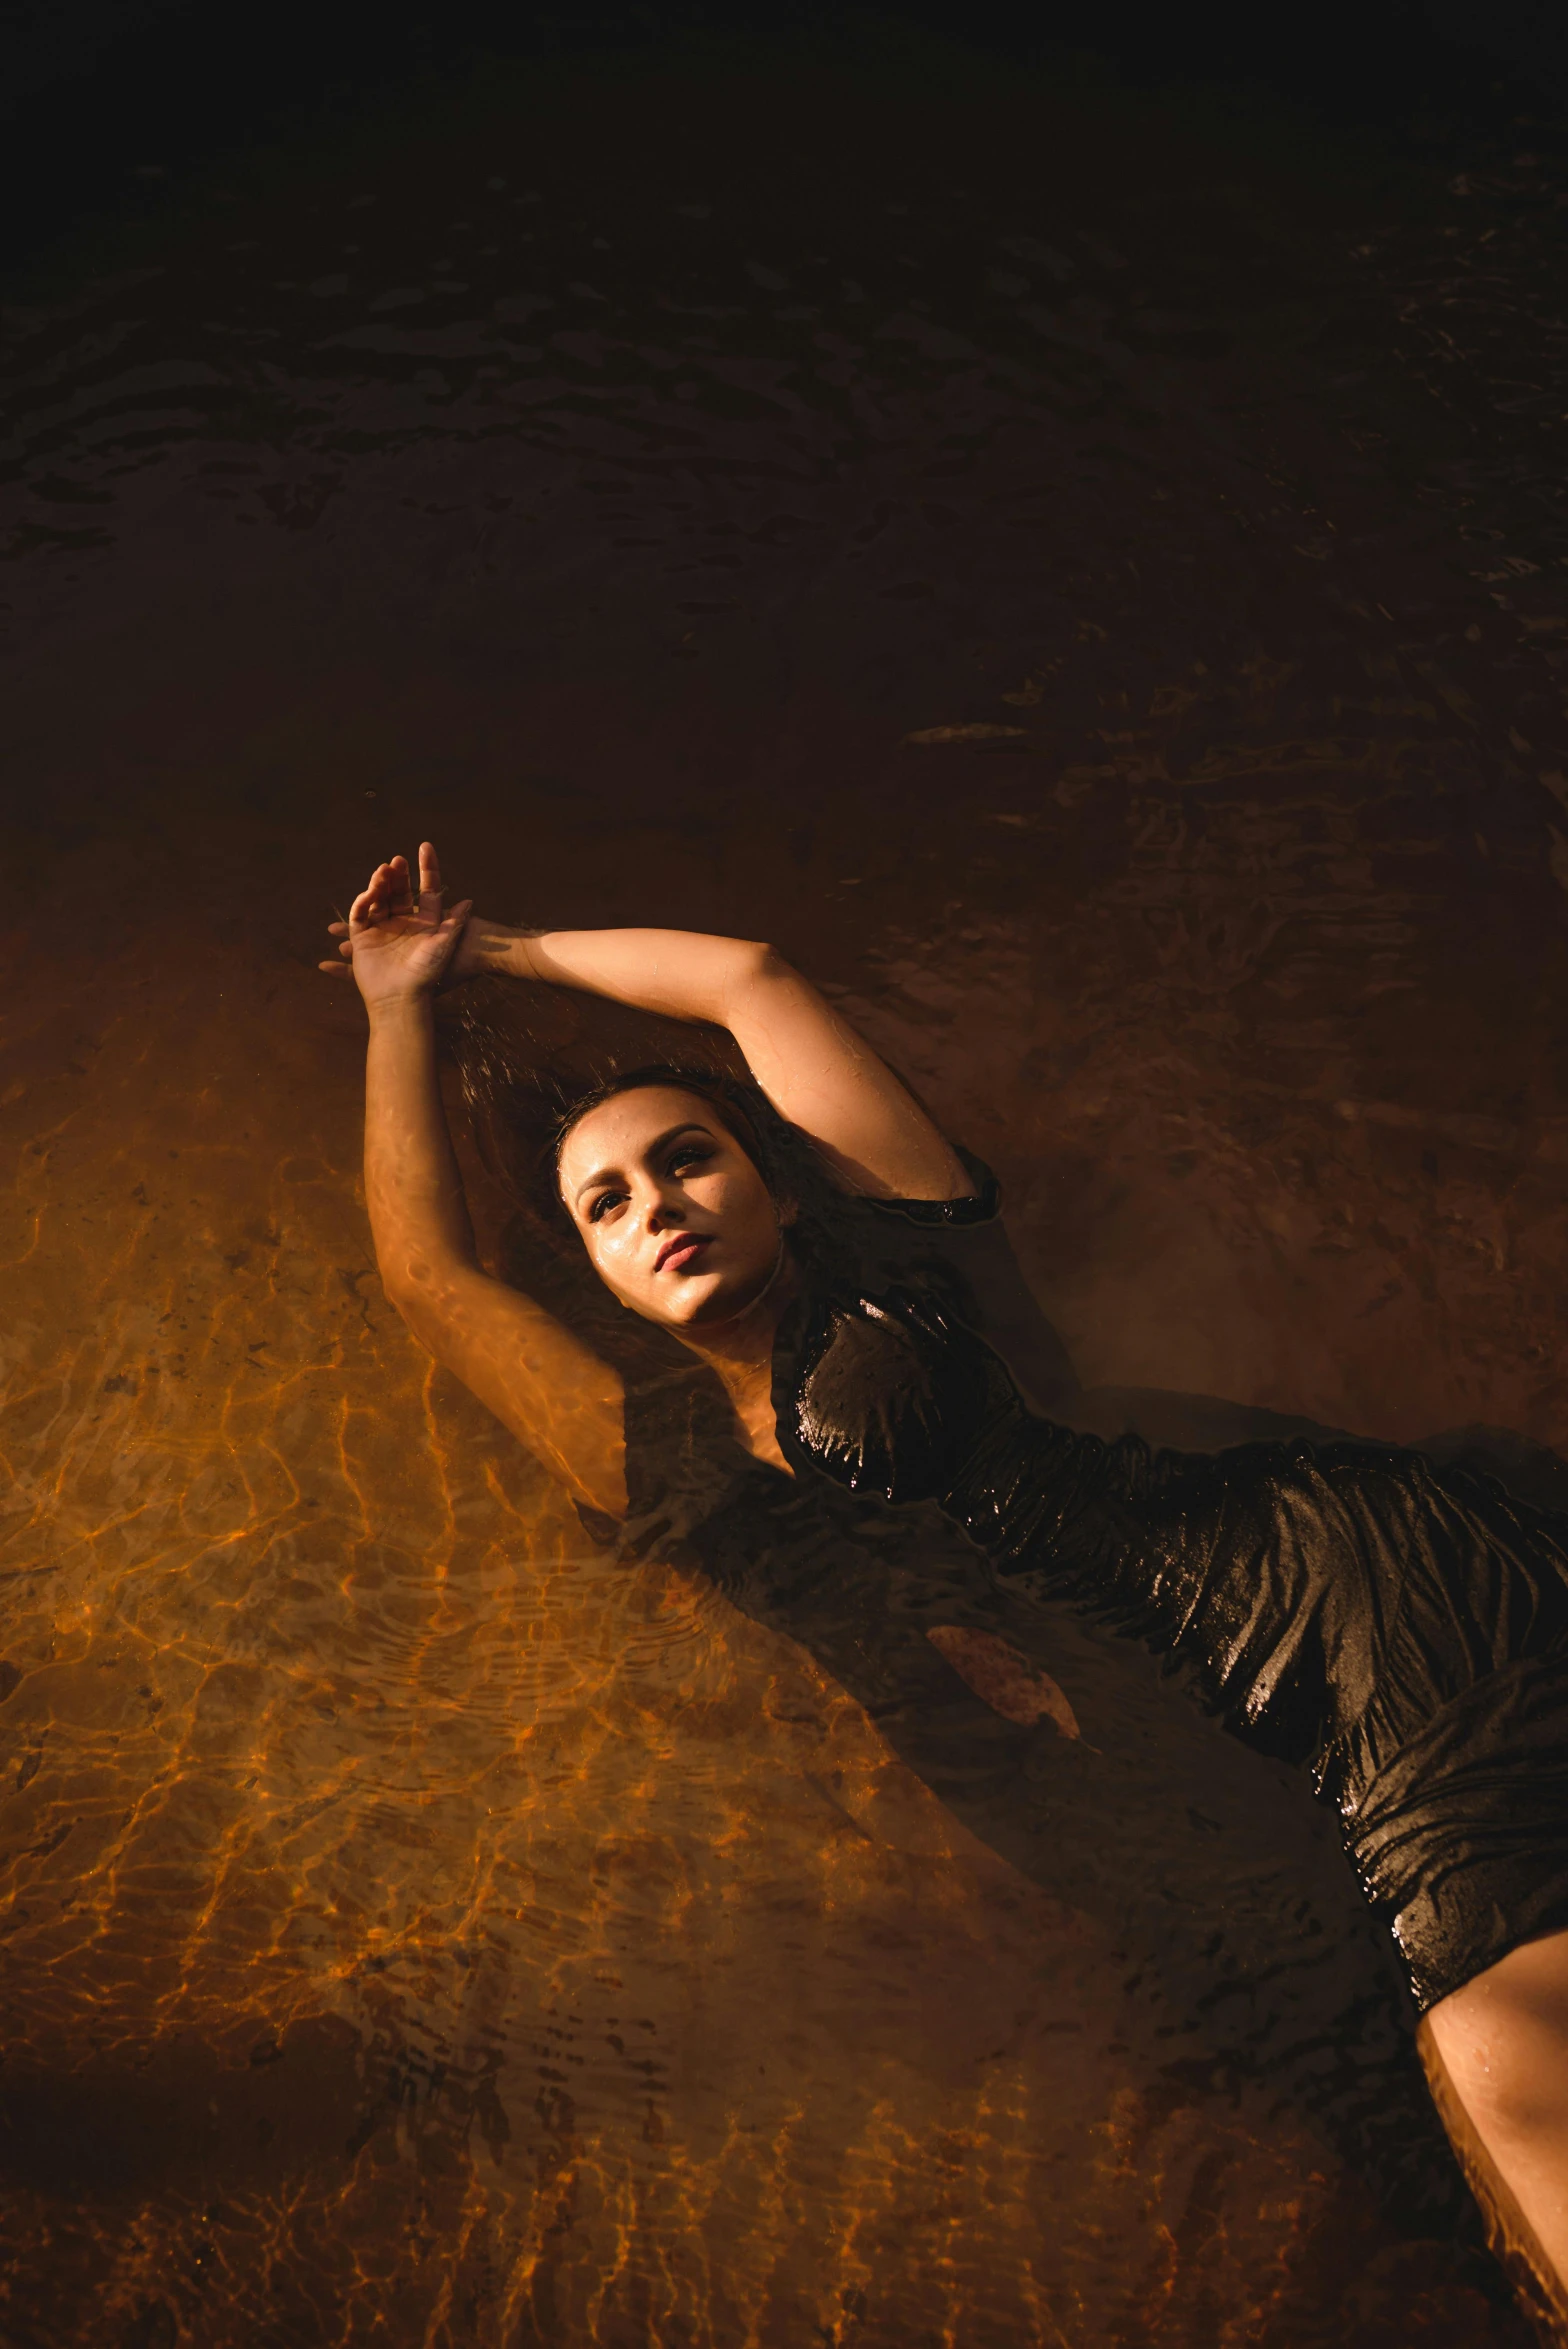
740,1353
744,1343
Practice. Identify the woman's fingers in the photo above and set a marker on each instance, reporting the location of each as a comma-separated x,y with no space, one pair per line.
451,929
338,970
386,892
389,895
374,902
382,889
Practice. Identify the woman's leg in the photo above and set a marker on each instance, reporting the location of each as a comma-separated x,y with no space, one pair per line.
1496,2054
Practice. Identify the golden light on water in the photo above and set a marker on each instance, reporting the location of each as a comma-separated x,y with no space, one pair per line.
416,1927
420,1926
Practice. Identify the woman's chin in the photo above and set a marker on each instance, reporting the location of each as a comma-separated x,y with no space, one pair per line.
707,1306
707,1300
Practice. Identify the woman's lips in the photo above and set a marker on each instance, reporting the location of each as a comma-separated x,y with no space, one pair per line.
677,1253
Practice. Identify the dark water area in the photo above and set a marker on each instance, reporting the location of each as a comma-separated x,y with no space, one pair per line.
1080,569
107,104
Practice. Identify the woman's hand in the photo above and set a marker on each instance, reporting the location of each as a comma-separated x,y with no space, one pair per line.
397,944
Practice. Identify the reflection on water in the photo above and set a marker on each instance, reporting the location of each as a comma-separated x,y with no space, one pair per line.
417,1928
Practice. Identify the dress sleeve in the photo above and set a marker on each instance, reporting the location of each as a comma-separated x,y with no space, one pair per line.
982,1205
961,1250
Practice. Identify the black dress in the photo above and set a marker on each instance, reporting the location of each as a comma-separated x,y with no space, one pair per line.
1396,1629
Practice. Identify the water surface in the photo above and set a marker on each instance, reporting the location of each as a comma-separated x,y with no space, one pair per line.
416,1928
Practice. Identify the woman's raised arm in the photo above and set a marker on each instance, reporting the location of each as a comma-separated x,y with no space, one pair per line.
813,1067
555,1393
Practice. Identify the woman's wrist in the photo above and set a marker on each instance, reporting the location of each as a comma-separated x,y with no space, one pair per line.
408,1007
499,949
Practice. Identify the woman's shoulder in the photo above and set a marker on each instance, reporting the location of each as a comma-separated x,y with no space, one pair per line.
981,1204
958,1255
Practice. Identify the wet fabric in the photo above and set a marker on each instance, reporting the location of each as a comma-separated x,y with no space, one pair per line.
685,1466
1394,1627
1396,1630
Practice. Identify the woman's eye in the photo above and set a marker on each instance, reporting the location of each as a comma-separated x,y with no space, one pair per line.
693,1155
605,1199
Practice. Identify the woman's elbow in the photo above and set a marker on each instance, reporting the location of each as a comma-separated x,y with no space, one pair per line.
758,965
422,1293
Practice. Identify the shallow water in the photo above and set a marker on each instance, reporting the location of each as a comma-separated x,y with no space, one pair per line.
418,1929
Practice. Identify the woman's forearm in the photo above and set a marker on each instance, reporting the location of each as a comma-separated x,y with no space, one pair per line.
536,1377
812,1065
563,1401
418,1214
683,974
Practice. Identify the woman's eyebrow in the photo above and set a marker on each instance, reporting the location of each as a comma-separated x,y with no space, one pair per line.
607,1174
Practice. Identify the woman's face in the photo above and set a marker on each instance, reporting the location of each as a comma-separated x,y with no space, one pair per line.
677,1220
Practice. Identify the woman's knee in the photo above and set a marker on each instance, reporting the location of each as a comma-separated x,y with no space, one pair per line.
1496,2054
1504,2041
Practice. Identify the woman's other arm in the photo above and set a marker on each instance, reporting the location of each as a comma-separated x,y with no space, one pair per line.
813,1067
539,1380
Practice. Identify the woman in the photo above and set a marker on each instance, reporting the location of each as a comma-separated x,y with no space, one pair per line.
1399,1631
